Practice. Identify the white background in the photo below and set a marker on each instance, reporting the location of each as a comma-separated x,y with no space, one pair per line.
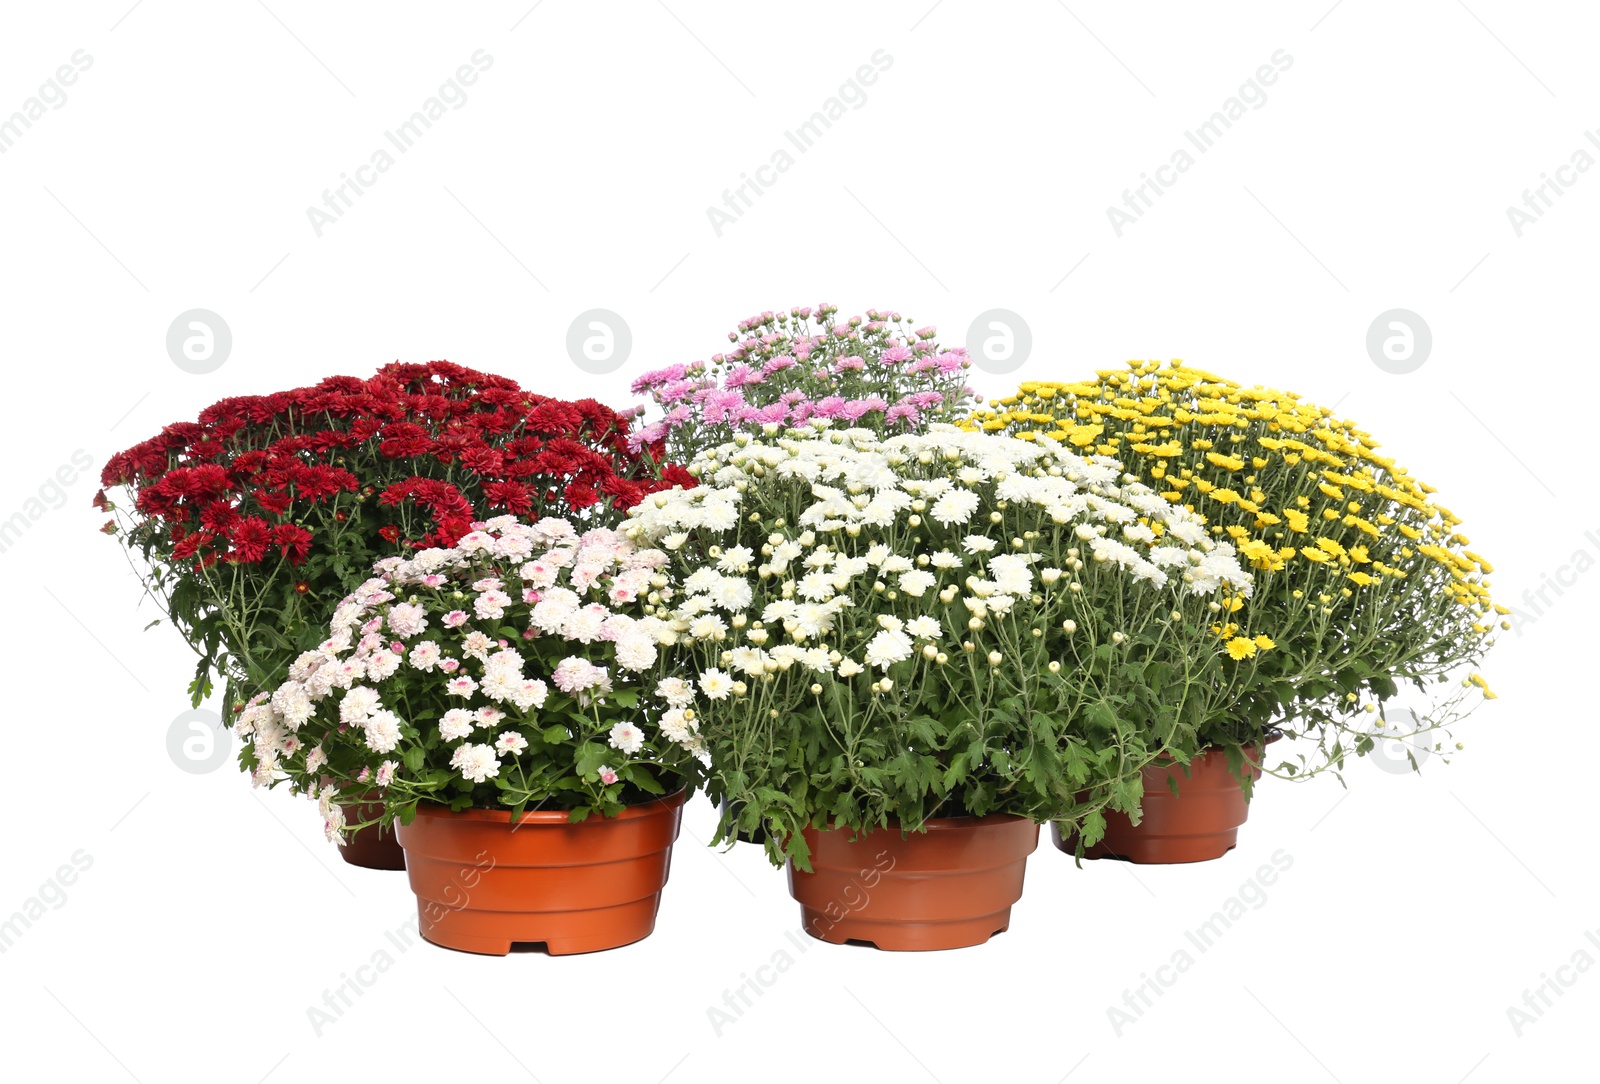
976,175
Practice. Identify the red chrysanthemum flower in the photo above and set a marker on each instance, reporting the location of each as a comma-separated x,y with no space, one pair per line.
293,541
250,537
512,496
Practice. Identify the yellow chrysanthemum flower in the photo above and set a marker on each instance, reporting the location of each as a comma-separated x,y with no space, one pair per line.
1241,648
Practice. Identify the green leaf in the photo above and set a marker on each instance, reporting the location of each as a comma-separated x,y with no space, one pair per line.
589,758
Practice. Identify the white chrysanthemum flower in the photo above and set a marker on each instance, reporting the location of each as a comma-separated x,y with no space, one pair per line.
676,692
815,659
255,714
383,731
701,581
360,702
510,742
551,614
293,703
821,557
575,675
407,619
345,617
500,687
1169,556
585,625
956,506
715,684
553,530
476,763
736,560
719,516
708,627
537,574
678,726
884,509
850,567
1148,573
1187,531
814,620
530,694
1010,573
977,543
456,723
507,661
627,738
748,660
307,664
425,655
731,593
636,651
692,607
333,824
1221,566
924,628
476,644
916,582
887,648
817,586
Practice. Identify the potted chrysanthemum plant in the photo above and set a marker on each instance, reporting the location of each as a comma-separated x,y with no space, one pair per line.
498,698
1377,611
250,524
876,370
906,652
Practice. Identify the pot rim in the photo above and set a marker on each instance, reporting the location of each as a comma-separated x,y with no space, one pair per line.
655,806
936,824
1166,760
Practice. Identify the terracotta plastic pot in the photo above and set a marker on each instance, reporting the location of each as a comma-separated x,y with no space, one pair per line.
483,886
949,887
372,847
1201,822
